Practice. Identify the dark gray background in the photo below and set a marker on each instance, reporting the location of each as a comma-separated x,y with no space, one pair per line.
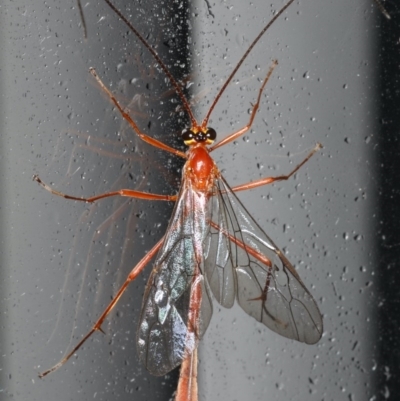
332,86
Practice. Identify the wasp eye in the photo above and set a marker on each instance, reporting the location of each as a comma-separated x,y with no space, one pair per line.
211,134
187,135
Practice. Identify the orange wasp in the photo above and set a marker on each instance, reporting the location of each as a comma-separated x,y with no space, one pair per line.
212,248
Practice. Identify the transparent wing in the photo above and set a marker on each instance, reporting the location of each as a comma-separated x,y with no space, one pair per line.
176,307
242,261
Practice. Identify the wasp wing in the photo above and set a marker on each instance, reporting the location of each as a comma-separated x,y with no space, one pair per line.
242,261
177,306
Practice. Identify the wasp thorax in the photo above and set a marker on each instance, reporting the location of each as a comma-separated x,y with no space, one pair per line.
191,136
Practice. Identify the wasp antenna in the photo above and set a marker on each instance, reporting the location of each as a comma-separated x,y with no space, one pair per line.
282,10
159,61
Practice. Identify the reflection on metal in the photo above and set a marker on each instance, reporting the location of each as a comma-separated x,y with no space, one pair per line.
382,9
